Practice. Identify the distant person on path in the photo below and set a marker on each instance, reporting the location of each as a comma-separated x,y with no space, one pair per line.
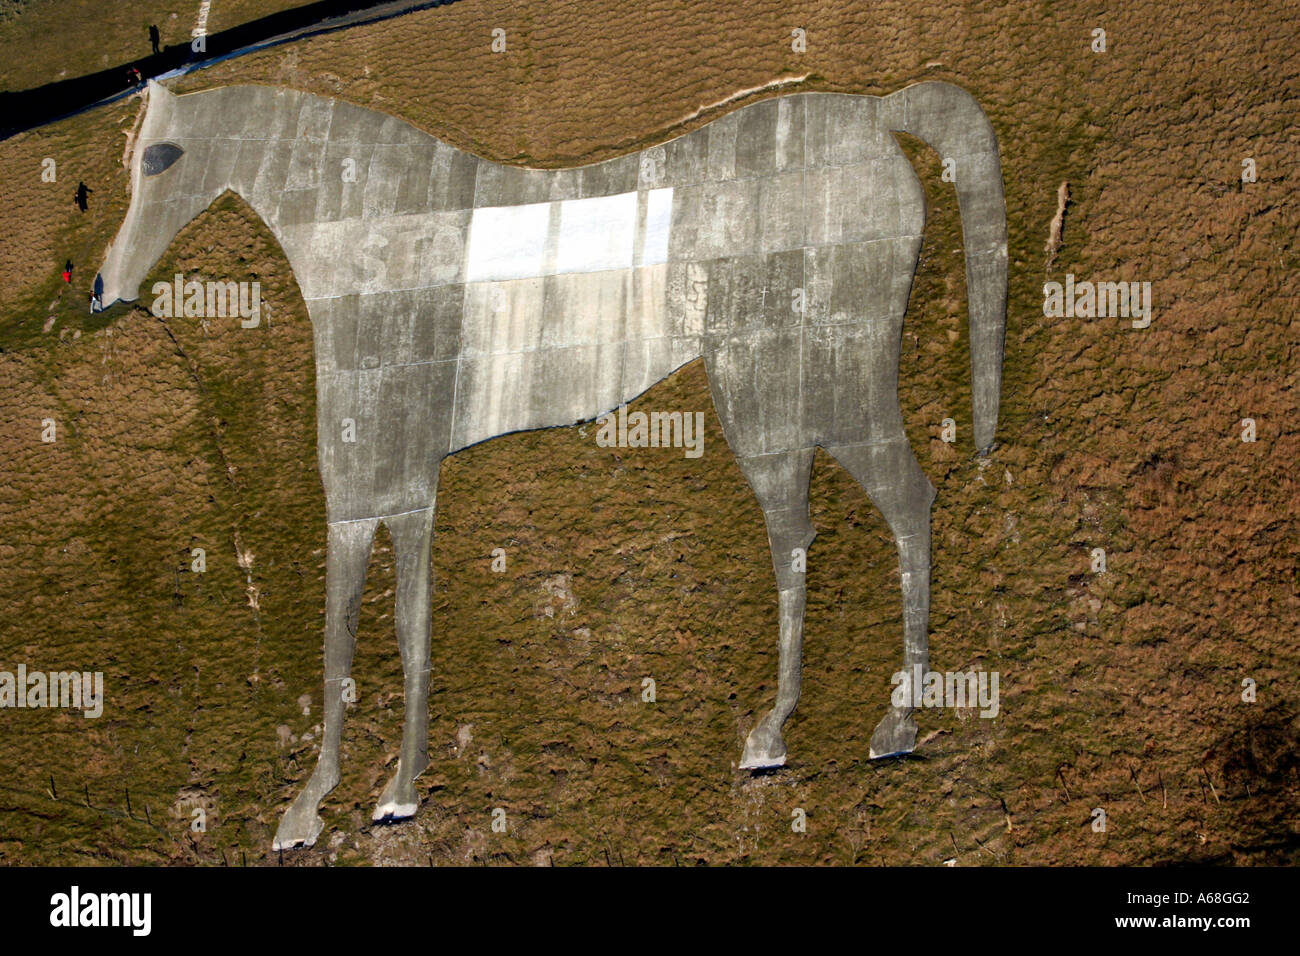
154,38
83,192
133,77
97,295
67,271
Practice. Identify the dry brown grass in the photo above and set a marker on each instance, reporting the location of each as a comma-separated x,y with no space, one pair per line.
52,40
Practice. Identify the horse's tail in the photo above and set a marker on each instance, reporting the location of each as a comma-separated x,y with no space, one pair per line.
949,120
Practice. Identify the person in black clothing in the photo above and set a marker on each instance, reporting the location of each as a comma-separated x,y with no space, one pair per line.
82,193
154,38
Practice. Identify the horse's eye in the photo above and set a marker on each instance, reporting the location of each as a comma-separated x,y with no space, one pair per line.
159,157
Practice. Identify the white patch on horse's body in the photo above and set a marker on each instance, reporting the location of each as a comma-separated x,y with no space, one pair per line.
507,242
596,234
659,216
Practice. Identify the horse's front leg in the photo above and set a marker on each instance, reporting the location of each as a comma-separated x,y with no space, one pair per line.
346,557
412,540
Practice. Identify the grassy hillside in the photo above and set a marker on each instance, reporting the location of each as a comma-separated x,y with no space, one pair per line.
48,40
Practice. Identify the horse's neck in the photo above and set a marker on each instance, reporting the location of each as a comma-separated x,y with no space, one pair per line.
275,152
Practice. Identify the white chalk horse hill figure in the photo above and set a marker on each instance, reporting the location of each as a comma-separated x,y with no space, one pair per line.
454,299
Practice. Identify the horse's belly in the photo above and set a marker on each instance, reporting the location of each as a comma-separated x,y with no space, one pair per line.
558,349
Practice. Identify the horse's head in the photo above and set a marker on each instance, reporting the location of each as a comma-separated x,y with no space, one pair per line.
168,163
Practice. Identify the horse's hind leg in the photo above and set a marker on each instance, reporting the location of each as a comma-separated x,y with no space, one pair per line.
412,539
345,577
780,481
894,480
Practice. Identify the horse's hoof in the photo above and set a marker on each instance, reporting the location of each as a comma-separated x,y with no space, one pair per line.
895,735
398,801
390,811
297,830
763,750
